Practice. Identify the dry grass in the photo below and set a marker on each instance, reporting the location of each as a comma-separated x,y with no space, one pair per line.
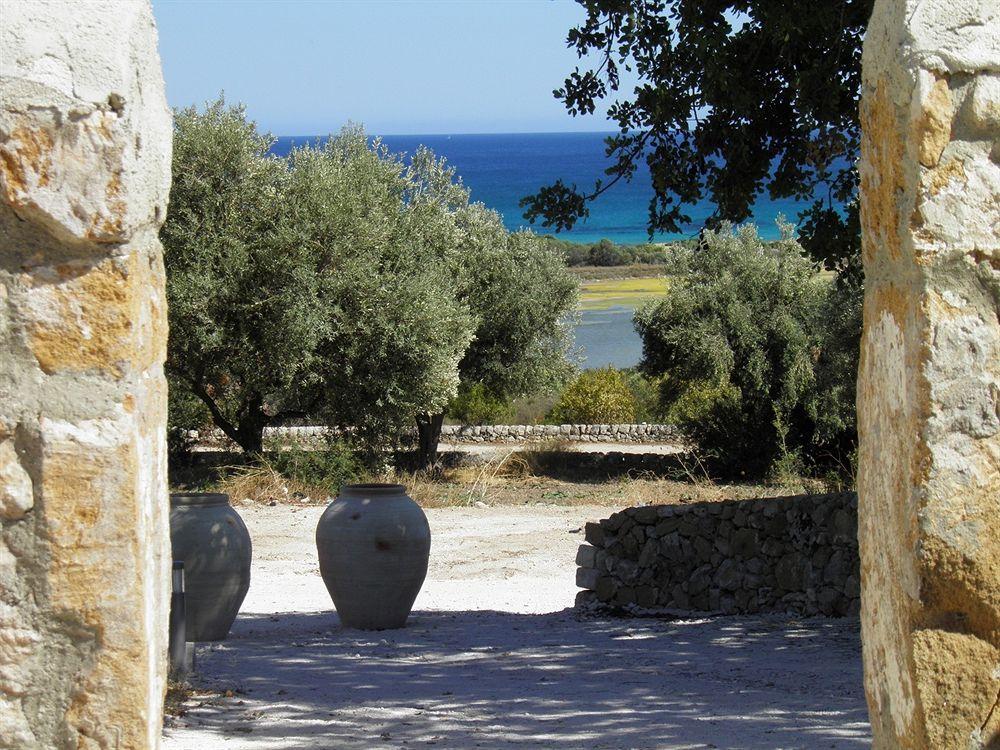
264,484
540,474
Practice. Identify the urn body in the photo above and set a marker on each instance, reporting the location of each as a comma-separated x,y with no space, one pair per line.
373,543
212,541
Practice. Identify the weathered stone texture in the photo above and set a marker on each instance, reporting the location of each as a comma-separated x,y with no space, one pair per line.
929,386
84,176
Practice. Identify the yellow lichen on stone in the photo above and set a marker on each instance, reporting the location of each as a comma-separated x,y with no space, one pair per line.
84,543
929,383
933,129
887,520
98,318
25,161
882,152
958,683
88,470
942,176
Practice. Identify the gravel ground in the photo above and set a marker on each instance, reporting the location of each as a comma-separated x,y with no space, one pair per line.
494,657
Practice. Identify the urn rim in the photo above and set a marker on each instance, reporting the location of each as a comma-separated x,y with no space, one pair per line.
200,499
372,489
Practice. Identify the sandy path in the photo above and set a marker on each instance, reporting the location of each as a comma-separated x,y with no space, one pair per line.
494,658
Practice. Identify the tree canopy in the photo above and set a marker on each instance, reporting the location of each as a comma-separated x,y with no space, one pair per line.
344,284
756,353
515,284
734,97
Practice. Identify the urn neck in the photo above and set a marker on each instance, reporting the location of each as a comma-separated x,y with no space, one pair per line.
373,491
199,499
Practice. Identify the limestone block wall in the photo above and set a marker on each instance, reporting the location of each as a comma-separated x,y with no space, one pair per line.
794,554
84,176
929,385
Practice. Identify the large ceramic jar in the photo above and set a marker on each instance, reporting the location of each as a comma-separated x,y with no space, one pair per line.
373,543
214,544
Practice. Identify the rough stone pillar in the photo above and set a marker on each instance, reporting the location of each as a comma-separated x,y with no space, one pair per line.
84,175
929,386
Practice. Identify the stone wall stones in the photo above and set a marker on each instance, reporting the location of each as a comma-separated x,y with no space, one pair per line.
583,433
789,554
929,385
500,433
85,139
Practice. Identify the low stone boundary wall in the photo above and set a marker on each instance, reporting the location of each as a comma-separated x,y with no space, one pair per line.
584,433
501,433
794,554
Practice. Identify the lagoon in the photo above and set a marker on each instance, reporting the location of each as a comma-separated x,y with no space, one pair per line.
606,337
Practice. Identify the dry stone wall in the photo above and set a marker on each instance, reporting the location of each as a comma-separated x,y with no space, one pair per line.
790,554
583,433
929,385
501,433
84,176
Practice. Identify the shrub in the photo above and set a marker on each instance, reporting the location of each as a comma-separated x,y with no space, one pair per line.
600,396
607,253
758,354
645,394
327,468
475,404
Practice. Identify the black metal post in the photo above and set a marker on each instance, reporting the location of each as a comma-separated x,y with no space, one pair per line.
178,617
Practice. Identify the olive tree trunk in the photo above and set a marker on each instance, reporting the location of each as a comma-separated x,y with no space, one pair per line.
428,438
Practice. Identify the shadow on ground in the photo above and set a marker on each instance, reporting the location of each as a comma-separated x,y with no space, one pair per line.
499,679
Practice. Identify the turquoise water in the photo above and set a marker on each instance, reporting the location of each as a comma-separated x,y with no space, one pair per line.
501,169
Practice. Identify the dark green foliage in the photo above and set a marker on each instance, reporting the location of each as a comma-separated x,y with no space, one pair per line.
185,413
245,304
733,98
515,286
645,395
607,253
303,287
329,468
477,405
758,353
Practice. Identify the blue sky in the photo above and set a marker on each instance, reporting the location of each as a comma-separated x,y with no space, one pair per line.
397,66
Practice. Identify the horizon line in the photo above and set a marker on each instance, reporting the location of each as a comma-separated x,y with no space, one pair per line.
496,132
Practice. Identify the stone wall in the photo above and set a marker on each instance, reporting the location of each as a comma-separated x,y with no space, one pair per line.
502,433
929,385
789,554
583,433
84,175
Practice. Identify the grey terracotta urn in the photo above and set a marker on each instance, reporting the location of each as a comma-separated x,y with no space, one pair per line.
373,543
212,541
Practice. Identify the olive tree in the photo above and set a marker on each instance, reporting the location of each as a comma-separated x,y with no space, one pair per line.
297,288
246,308
515,286
757,353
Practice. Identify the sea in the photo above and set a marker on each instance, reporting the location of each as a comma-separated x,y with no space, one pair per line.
501,168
